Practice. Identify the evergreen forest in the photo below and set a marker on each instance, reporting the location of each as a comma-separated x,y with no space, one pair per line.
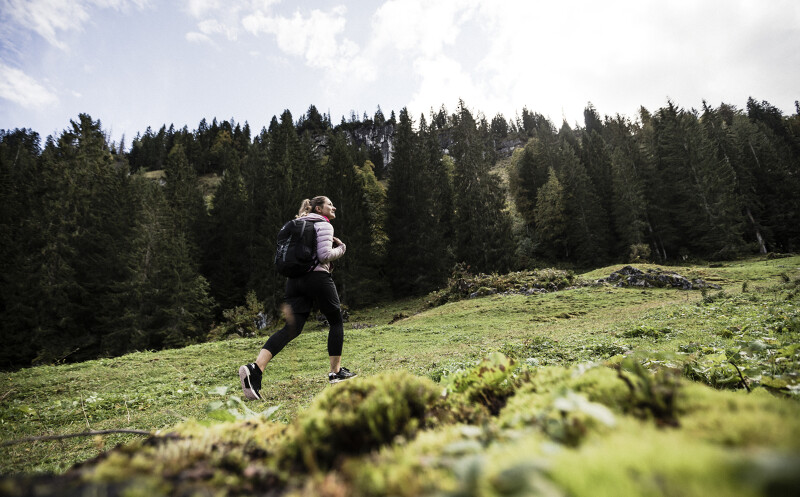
108,249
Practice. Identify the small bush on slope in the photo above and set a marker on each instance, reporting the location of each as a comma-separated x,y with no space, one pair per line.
462,284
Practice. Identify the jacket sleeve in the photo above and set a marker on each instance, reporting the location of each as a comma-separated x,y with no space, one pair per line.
325,250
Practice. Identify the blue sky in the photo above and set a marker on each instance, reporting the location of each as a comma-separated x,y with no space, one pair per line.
138,63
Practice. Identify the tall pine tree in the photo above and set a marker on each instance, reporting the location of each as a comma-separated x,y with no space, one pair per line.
20,228
483,227
587,223
550,218
359,201
407,199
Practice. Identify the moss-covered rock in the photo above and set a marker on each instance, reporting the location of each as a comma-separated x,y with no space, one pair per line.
229,456
360,415
193,459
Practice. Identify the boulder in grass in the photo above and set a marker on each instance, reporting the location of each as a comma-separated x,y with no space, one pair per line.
630,276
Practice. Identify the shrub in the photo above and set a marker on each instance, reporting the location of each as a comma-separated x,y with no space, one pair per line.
462,284
241,321
639,252
645,331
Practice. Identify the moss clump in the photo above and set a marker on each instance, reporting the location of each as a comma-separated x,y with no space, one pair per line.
643,460
651,395
489,383
568,405
360,415
652,332
625,387
758,419
414,468
223,459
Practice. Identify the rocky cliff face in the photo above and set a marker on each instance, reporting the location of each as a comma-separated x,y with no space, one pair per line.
382,138
506,146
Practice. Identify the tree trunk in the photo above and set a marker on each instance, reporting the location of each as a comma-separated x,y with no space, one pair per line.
662,253
762,246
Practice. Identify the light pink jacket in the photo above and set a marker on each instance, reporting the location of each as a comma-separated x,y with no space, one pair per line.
325,251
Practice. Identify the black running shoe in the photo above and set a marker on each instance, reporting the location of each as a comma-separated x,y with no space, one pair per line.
250,378
343,374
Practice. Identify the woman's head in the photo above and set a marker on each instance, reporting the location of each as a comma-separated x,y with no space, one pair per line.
318,205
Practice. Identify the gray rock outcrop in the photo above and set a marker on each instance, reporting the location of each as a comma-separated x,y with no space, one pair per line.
630,276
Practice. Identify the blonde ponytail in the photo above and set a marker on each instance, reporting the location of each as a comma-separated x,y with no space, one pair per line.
308,206
305,208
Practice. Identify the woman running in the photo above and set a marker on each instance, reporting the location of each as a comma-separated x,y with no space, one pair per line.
301,292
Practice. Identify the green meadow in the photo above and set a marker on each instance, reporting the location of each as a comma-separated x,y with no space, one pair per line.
589,390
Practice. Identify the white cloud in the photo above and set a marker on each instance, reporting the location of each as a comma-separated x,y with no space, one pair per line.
121,5
425,37
203,9
23,90
418,30
194,37
213,26
555,57
442,80
200,8
48,18
318,39
312,37
421,26
256,22
620,55
218,17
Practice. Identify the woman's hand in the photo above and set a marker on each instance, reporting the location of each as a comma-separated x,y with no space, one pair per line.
336,242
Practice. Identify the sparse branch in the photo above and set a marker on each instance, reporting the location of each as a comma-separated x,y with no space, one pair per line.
73,435
741,377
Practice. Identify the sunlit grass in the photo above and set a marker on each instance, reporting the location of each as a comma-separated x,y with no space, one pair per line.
157,390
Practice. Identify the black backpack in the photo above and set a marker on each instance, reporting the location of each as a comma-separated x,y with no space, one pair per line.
297,248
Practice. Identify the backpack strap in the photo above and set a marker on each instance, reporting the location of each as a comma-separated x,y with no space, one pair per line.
316,259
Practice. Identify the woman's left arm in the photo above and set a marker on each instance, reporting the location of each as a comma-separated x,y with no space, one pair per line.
327,250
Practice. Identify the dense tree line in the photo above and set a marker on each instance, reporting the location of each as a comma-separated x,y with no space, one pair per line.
101,257
676,184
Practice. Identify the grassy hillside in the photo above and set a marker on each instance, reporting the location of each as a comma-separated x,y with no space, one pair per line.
589,391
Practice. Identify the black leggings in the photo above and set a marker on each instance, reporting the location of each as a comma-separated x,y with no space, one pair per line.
301,293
